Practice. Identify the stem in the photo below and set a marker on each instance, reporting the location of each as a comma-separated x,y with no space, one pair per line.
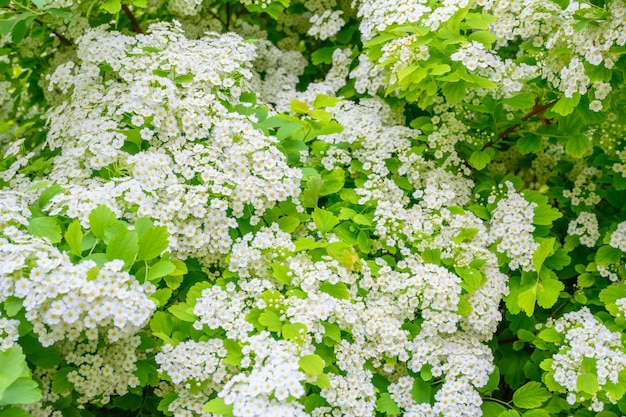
62,38
538,110
133,20
496,400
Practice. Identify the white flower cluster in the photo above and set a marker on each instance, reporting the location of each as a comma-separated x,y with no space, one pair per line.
585,337
100,372
223,308
157,140
618,237
253,253
274,377
368,77
584,190
8,333
326,25
193,362
185,7
585,226
62,302
549,28
511,225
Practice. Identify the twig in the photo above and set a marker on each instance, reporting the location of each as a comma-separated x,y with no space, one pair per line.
133,20
538,110
62,38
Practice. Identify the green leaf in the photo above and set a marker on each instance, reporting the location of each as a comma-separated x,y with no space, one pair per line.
324,220
550,335
152,243
530,395
123,245
492,409
332,182
112,6
271,320
14,412
184,78
45,227
74,237
520,101
161,296
548,291
323,100
608,255
183,311
338,290
281,273
545,249
219,407
312,364
529,143
293,331
288,223
545,215
577,146
587,383
480,159
566,105
99,219
12,366
386,405
526,299
21,391
311,193
306,243
465,235
323,56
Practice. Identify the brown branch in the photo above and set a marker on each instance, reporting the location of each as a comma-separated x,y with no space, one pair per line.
133,20
62,38
538,110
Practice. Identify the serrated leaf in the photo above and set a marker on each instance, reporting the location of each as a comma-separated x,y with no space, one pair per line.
161,296
550,335
311,193
385,404
548,291
74,237
566,105
529,143
526,300
545,215
530,395
99,219
288,223
22,391
332,182
324,220
312,364
577,146
219,407
338,290
112,6
587,383
545,249
520,101
323,100
479,159
608,255
153,241
45,227
270,319
293,331
123,245
183,311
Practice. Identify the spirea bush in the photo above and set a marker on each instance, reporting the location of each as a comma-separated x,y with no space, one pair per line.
312,208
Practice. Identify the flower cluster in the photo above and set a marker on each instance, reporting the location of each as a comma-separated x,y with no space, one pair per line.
585,226
511,226
62,301
8,333
586,341
158,141
618,237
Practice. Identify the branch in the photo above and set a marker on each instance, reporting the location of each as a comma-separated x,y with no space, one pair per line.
538,110
133,20
62,38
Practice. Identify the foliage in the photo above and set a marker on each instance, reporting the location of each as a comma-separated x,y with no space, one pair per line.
306,208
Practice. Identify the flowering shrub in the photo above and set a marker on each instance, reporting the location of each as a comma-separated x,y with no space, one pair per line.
312,208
